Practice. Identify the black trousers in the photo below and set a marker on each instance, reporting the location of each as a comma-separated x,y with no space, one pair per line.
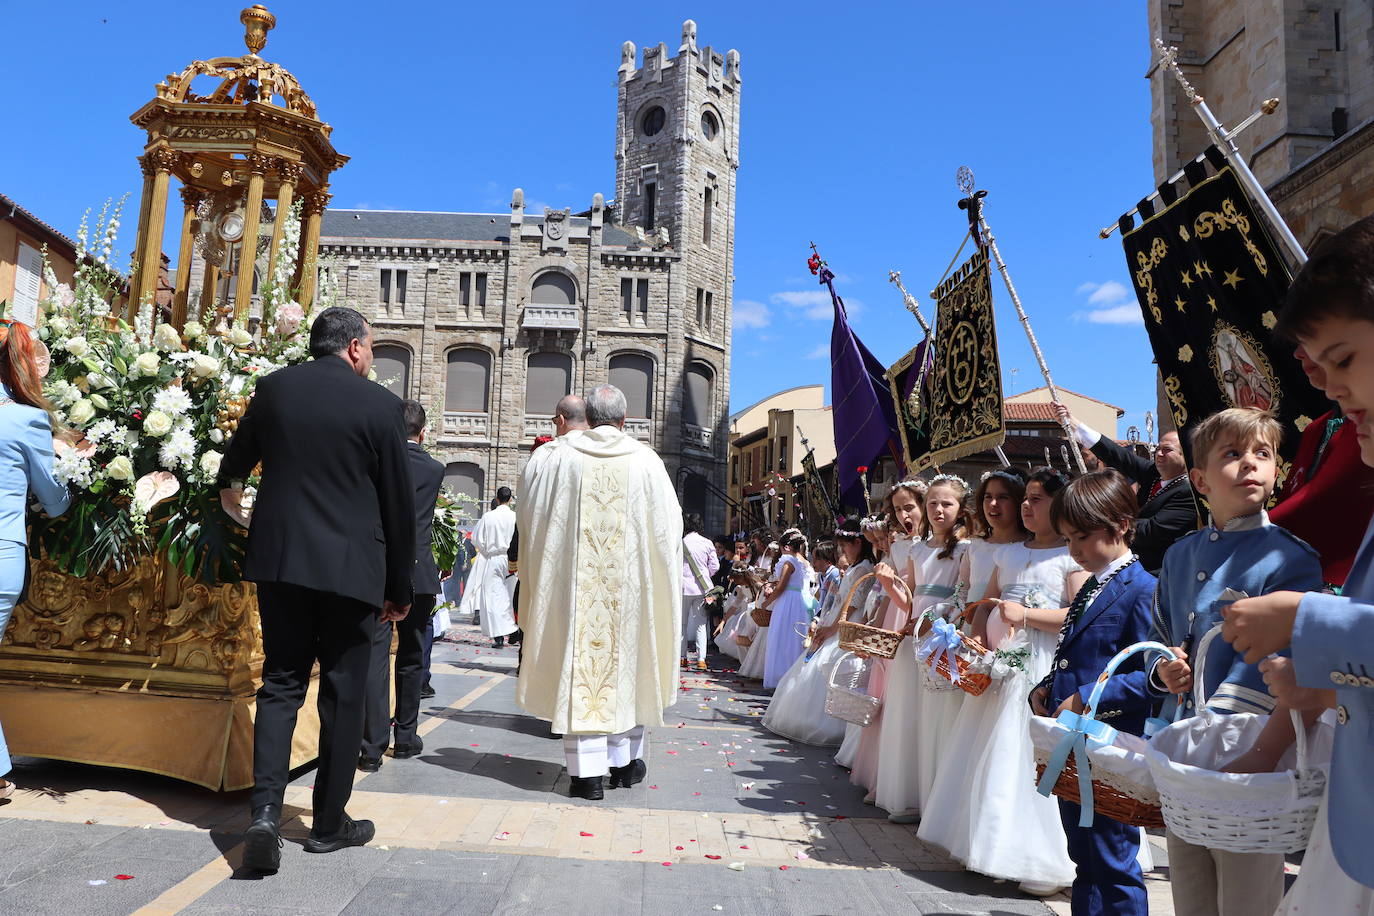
410,674
299,627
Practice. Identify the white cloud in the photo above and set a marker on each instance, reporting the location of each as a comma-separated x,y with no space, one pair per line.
821,351
814,304
751,314
1115,304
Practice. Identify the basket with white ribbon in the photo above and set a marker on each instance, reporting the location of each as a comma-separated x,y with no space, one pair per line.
1081,759
846,693
1235,812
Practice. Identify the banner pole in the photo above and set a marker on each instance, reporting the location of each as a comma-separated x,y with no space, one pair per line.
1168,57
974,203
895,276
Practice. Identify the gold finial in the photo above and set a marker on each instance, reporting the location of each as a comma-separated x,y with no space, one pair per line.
257,22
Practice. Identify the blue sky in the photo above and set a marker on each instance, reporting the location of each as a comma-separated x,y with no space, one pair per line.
854,119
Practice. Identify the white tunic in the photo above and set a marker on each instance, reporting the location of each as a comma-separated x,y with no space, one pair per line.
486,590
601,595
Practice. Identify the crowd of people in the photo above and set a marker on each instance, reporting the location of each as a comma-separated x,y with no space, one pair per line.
618,590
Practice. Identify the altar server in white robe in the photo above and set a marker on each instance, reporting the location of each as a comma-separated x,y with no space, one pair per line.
487,592
601,595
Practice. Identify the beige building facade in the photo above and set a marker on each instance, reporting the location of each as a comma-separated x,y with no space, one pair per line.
766,452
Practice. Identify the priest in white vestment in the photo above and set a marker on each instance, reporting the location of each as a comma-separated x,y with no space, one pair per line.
486,592
601,594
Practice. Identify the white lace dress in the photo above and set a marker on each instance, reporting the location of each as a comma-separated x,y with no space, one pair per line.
1014,832
918,716
797,710
737,611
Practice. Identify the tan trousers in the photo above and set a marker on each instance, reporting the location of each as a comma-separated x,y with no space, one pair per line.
1210,882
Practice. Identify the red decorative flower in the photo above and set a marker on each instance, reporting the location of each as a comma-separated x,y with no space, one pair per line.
863,469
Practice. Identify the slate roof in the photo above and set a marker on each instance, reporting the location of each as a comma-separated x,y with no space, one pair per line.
419,225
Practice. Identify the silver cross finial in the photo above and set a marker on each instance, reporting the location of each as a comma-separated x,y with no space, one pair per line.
964,179
1168,58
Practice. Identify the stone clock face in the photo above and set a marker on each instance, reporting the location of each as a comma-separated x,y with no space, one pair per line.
653,121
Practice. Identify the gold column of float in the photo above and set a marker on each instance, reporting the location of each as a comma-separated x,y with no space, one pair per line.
190,198
315,204
248,245
141,241
207,290
150,259
290,173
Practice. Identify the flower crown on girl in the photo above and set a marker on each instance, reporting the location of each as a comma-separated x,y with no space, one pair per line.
1004,474
949,478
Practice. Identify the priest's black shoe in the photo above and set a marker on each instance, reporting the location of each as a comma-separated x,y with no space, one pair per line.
404,751
426,692
588,787
352,833
369,764
628,775
262,839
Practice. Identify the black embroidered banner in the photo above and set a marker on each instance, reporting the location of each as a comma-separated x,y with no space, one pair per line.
909,379
1211,284
820,502
965,406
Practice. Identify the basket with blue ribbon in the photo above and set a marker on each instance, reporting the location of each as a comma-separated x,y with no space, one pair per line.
1081,759
955,657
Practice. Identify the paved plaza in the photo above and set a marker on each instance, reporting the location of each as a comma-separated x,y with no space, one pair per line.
730,820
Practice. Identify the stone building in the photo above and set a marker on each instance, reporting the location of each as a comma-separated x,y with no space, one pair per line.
488,319
1314,154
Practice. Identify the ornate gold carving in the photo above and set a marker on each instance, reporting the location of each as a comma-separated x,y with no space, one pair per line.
600,583
315,202
192,197
164,160
208,132
261,165
289,171
147,624
257,23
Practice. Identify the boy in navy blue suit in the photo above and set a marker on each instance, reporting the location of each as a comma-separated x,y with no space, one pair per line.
1096,514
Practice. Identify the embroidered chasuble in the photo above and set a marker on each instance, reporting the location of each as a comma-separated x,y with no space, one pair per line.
601,591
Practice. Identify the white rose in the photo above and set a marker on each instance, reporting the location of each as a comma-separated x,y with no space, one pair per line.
77,347
59,325
203,366
209,463
194,330
240,338
157,423
83,411
216,436
98,380
166,338
147,363
120,468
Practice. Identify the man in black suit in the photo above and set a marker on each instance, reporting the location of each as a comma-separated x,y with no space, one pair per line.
428,476
1167,511
332,550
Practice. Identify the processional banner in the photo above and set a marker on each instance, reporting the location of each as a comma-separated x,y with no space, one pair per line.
909,380
821,506
1210,283
965,406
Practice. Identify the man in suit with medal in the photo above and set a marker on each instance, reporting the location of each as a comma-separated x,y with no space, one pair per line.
1167,511
332,550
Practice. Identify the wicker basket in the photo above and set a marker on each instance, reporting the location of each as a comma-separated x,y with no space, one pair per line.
1119,780
762,616
861,637
968,659
845,698
1236,812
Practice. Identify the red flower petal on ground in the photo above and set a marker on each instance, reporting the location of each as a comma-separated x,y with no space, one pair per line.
585,833
784,867
636,852
744,847
667,863
124,877
709,856
678,848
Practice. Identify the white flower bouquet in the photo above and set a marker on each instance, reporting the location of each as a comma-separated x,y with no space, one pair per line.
149,409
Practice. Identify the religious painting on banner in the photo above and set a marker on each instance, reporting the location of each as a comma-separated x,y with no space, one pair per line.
820,503
965,406
909,379
1211,285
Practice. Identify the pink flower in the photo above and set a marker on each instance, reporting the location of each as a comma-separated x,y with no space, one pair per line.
289,318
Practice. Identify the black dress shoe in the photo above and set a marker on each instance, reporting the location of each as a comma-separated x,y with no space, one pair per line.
498,642
426,692
588,787
262,839
628,775
369,764
352,833
405,751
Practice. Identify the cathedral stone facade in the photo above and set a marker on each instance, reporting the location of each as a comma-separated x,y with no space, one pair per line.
488,319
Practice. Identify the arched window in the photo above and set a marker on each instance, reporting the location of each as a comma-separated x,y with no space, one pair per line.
548,376
633,373
553,288
697,387
392,364
468,381
466,478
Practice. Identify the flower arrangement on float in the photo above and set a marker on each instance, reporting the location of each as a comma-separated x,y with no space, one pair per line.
148,409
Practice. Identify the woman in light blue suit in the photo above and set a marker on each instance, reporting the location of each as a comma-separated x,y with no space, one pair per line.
26,466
